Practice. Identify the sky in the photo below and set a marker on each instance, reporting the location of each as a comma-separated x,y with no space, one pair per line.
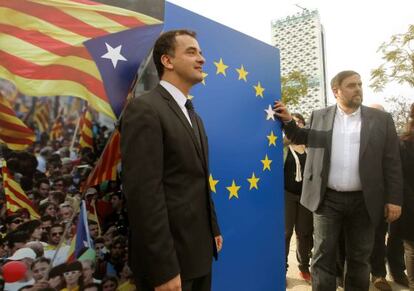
353,29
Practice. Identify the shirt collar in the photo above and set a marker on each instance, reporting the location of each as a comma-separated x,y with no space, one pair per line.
178,96
353,114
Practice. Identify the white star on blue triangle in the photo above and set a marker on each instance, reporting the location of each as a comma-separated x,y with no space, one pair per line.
114,54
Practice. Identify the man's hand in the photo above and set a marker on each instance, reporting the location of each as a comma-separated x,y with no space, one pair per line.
392,212
173,285
219,242
281,111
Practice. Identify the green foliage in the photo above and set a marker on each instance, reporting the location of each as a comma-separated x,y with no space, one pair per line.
399,108
294,86
398,65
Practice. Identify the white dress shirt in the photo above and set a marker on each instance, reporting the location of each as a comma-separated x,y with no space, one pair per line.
178,96
346,136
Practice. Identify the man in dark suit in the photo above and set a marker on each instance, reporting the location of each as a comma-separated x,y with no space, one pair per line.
173,225
352,179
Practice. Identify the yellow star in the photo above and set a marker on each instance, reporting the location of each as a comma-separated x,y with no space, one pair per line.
242,73
190,97
272,138
266,163
253,182
259,89
213,183
221,67
204,78
233,189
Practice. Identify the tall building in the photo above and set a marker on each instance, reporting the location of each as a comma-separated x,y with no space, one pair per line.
300,39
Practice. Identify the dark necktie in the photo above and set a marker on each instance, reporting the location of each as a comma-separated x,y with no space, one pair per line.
190,109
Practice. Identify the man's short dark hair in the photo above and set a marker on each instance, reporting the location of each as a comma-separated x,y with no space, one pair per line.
338,79
42,181
165,45
40,260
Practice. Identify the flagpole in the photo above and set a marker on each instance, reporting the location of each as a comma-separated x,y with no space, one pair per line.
74,135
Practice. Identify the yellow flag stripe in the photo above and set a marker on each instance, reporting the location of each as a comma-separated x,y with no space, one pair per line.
32,87
27,51
65,5
19,19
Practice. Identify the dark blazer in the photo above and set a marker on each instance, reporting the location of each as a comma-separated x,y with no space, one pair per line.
379,159
407,216
165,180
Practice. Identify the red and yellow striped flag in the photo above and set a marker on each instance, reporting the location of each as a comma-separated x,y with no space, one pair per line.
15,197
43,48
13,132
56,132
41,115
86,135
106,167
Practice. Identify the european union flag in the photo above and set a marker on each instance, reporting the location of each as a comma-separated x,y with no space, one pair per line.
241,82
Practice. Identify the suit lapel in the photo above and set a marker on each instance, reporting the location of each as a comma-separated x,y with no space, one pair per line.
366,124
177,110
328,119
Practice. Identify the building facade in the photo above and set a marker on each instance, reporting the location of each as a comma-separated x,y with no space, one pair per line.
300,39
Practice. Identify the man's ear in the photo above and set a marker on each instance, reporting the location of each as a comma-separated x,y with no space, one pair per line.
335,91
166,62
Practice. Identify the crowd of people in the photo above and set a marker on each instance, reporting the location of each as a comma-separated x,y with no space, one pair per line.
51,174
332,198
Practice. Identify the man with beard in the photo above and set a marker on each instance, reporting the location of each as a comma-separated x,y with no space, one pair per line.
352,179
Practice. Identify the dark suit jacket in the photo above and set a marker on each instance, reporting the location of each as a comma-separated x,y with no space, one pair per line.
379,159
165,179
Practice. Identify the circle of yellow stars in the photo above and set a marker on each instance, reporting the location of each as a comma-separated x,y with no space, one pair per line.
234,188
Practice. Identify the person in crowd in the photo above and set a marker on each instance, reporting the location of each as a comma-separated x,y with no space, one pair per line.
59,184
109,283
55,197
3,251
52,250
393,251
100,247
162,131
119,216
43,188
27,256
66,212
297,216
92,287
67,165
405,225
15,240
352,179
115,258
48,208
126,279
40,269
42,158
47,222
33,229
37,247
88,269
93,229
12,222
73,277
56,276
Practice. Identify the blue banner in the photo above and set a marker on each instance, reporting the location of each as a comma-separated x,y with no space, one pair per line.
241,82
